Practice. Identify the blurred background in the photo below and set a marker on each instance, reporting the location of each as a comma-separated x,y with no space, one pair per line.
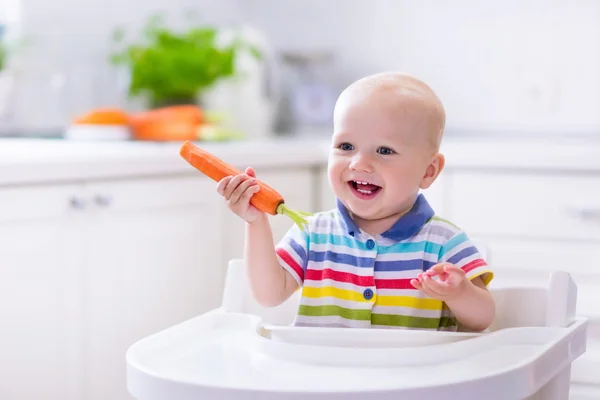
507,66
107,236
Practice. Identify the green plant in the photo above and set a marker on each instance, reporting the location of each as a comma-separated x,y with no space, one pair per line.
169,67
3,56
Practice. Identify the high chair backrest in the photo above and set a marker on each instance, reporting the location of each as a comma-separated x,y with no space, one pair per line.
237,297
552,304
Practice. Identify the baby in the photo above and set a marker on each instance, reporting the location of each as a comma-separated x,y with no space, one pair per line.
382,258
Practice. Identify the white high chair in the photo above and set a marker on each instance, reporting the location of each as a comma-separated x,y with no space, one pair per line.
244,351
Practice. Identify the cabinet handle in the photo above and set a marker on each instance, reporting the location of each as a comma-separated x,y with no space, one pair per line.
103,200
77,203
587,214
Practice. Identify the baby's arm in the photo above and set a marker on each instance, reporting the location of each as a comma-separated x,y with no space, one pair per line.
271,284
463,275
474,309
469,300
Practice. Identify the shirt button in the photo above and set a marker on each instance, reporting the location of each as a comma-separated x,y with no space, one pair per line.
368,294
370,244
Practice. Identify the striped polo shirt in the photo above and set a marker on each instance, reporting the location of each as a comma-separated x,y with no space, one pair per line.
350,278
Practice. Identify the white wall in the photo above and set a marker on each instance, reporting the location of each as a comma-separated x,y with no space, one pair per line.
530,65
510,64
523,65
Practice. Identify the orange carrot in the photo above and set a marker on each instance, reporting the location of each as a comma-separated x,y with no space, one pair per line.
266,199
103,116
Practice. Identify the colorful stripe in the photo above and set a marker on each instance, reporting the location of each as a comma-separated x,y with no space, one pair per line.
290,263
346,282
339,276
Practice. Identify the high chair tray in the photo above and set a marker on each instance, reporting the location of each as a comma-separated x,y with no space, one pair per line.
226,355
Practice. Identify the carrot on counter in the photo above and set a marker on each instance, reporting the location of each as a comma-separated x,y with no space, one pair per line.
103,116
266,199
180,112
178,122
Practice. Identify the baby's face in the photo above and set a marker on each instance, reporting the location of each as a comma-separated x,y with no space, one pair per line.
379,158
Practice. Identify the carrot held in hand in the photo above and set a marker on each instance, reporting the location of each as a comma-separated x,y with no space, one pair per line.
266,199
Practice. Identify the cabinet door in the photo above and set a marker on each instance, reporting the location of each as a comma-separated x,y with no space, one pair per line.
41,283
296,185
551,206
153,262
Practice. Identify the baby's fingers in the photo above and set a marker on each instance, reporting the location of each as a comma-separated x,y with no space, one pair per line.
233,184
247,195
453,269
456,275
434,287
242,188
222,184
438,270
416,284
250,172
420,284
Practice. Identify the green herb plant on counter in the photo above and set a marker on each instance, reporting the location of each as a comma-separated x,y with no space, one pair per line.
169,67
3,55
3,49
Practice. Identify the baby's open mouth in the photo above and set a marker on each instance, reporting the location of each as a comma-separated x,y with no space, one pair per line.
363,189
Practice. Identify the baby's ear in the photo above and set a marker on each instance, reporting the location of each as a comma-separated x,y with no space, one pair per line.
433,170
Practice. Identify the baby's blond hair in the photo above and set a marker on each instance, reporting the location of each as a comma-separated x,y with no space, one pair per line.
406,87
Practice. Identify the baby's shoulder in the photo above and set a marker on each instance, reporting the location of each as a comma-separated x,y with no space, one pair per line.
440,229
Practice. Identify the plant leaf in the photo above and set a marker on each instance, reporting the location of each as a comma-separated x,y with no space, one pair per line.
167,65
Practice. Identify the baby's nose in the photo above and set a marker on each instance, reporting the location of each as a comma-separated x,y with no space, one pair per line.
361,163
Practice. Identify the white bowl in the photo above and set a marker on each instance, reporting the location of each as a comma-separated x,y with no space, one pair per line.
97,132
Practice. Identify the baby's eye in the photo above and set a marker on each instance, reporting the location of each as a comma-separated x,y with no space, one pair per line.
346,147
385,151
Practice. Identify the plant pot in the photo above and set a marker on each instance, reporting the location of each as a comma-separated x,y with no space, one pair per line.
153,104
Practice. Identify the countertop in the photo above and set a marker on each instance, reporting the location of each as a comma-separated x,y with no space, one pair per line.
26,161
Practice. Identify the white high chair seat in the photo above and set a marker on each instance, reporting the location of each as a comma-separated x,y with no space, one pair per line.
244,351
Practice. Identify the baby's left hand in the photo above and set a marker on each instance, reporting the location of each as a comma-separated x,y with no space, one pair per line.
451,284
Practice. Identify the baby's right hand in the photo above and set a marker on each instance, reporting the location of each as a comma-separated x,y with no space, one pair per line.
237,191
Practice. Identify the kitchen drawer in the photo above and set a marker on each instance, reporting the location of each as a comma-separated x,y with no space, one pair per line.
36,202
578,258
584,392
155,192
556,206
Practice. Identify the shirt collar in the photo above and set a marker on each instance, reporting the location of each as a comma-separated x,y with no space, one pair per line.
406,227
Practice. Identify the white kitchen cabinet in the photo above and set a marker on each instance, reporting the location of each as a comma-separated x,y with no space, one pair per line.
584,392
528,222
296,185
543,205
88,269
534,223
151,263
41,293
